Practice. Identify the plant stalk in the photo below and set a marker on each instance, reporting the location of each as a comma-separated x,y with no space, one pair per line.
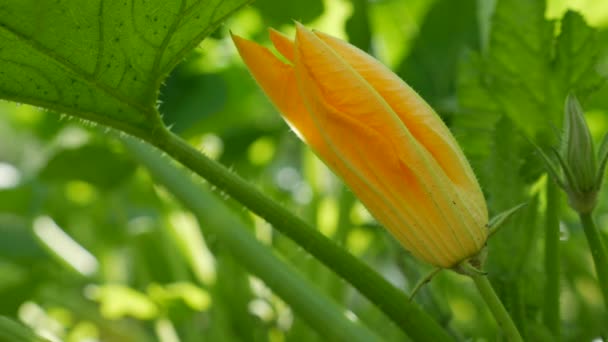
312,305
598,252
552,260
498,310
394,303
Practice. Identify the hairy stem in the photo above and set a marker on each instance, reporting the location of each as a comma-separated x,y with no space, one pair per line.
315,307
393,302
552,261
598,252
498,310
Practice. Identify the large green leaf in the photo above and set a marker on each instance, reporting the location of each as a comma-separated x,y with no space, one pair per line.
527,70
11,330
278,13
448,29
92,163
100,60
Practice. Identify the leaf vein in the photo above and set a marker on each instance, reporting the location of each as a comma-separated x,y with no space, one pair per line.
74,69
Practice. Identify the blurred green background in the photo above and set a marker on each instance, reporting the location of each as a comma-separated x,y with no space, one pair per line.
91,249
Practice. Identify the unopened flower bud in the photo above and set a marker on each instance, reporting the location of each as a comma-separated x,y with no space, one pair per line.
578,158
380,137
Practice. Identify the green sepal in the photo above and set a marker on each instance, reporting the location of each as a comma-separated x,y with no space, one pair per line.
603,159
498,220
570,184
468,269
551,167
426,279
577,146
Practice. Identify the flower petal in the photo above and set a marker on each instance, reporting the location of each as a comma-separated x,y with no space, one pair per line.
421,120
283,44
429,131
277,79
346,108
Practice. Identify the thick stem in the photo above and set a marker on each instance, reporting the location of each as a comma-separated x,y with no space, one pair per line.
498,310
315,307
552,261
393,302
598,252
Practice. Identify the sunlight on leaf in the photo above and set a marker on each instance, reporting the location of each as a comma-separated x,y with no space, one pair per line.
118,301
100,60
193,296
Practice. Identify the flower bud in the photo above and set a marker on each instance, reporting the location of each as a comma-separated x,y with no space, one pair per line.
577,148
580,175
375,132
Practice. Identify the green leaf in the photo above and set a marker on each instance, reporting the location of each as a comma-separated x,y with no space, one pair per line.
102,61
117,301
358,26
520,74
94,164
603,160
11,330
497,221
18,242
279,13
448,29
189,97
19,201
577,56
518,63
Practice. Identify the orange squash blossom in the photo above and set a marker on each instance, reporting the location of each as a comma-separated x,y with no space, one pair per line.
380,137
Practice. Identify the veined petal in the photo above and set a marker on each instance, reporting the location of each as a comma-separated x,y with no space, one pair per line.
283,44
278,81
342,87
373,158
346,108
380,137
421,120
466,203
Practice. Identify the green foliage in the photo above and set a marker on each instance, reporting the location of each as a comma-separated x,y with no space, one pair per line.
97,165
13,331
509,93
448,30
497,71
278,13
527,70
104,61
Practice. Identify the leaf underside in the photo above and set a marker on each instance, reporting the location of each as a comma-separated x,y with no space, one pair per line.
102,61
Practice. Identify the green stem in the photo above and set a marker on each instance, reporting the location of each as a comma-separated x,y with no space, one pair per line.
598,252
498,310
393,302
552,260
316,308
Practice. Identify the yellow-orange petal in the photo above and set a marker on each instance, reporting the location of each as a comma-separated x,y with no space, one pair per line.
277,79
334,96
428,130
329,86
421,120
274,76
335,82
283,44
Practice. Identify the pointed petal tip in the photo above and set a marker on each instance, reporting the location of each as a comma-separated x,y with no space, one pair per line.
283,44
301,29
249,50
238,40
